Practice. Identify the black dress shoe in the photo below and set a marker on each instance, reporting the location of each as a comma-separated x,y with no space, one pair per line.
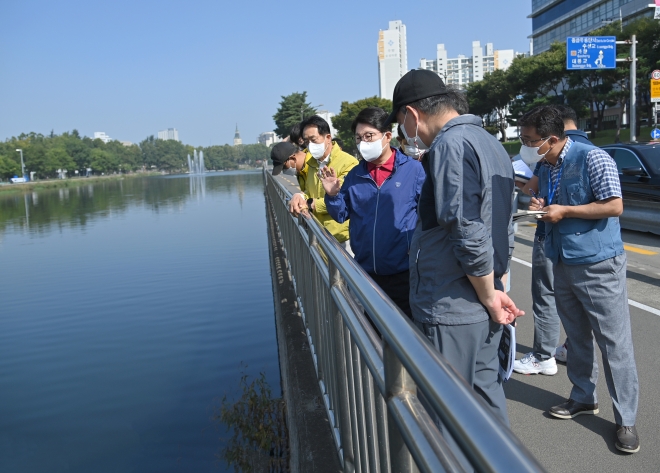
627,439
572,408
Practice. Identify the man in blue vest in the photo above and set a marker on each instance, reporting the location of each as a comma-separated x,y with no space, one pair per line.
580,191
546,321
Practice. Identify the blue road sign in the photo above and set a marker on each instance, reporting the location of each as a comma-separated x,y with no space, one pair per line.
590,52
655,134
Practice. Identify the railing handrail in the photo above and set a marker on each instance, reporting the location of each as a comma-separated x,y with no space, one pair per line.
487,443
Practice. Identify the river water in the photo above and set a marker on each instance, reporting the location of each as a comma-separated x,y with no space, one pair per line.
128,309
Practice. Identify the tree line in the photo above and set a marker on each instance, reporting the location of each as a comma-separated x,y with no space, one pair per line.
504,95
46,154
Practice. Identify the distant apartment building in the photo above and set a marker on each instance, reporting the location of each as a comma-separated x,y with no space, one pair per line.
169,134
237,137
463,70
327,116
392,58
268,138
100,135
554,21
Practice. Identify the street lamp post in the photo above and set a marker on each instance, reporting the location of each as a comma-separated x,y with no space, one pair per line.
22,163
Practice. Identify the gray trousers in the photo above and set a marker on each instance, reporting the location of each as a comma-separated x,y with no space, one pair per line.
546,320
472,351
594,297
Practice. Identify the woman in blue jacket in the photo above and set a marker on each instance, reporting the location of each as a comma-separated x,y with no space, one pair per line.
380,197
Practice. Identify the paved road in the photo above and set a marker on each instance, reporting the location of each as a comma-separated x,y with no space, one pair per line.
586,444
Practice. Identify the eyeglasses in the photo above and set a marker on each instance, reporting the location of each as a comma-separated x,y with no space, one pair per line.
529,143
368,137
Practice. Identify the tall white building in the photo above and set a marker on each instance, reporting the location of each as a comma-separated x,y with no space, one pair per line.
392,58
100,135
463,70
327,116
268,138
169,134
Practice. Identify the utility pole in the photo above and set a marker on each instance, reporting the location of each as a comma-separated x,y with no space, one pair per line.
22,163
633,83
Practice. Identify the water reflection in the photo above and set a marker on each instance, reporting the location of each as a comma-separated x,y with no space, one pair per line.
41,212
126,320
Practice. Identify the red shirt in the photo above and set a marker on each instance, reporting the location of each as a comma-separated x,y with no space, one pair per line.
380,173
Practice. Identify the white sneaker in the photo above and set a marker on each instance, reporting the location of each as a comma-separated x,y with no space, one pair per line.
561,352
529,364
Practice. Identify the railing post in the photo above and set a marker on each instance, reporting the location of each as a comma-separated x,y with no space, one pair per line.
343,415
397,382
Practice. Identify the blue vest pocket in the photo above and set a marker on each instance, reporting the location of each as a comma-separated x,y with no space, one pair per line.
581,244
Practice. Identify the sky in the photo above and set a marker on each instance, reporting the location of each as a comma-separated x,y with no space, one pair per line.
132,68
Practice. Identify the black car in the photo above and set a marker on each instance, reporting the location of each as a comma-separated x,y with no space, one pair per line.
639,169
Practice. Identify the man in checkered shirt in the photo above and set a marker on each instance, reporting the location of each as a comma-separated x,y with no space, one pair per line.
580,191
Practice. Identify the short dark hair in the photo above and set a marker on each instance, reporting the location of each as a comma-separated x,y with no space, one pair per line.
567,113
454,99
295,134
546,119
372,116
321,125
339,141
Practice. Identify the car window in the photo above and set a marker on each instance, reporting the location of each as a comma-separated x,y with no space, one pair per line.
625,159
651,155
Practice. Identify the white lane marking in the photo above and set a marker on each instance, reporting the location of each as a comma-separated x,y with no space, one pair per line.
523,262
643,307
633,303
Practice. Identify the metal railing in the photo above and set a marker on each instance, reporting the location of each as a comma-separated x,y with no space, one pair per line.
373,383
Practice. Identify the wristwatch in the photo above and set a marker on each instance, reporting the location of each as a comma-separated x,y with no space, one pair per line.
310,201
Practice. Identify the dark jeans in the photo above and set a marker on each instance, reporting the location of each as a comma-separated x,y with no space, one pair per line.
397,287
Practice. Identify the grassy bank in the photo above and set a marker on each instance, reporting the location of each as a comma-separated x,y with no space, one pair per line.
6,189
604,137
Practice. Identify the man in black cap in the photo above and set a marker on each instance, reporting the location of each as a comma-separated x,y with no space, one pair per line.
283,155
462,245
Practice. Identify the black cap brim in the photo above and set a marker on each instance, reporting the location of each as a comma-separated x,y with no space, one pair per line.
392,118
277,169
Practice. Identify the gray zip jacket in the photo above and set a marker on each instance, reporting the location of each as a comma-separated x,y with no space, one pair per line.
464,226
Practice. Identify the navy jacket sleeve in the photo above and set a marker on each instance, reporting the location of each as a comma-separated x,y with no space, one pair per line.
339,206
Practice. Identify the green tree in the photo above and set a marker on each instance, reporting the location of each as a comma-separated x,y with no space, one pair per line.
9,167
293,109
347,113
490,98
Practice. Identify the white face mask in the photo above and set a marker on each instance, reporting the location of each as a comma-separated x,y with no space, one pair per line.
290,172
371,151
531,156
413,152
416,141
317,150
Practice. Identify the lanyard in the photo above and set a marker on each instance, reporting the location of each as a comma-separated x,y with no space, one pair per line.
553,188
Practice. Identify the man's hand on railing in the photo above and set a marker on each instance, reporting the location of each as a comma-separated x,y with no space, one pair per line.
331,184
297,204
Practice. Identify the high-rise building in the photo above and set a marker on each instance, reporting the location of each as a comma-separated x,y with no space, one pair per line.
392,58
463,70
554,20
327,116
100,135
169,134
237,137
268,138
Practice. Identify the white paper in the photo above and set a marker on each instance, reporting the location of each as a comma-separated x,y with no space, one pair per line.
521,169
528,215
507,351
